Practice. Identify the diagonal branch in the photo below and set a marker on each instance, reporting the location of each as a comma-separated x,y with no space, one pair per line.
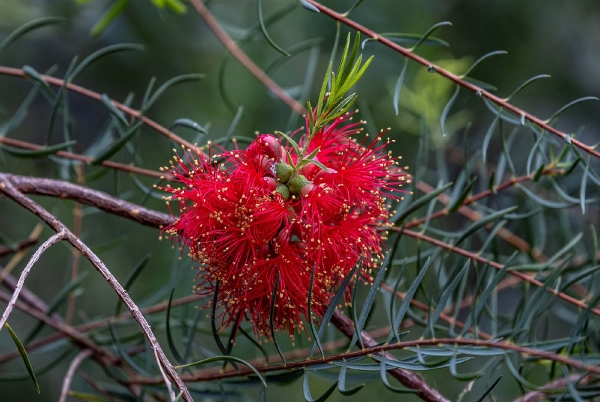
244,59
9,190
459,80
17,72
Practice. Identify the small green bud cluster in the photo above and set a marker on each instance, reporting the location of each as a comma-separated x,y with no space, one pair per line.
290,183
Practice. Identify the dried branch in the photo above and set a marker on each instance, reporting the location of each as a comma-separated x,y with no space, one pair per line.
453,77
9,189
71,371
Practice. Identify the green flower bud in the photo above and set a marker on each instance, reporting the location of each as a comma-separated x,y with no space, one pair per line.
283,171
297,183
284,191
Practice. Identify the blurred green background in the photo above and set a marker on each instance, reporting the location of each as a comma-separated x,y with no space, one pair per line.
541,36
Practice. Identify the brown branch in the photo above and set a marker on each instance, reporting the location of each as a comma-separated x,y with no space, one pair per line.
233,48
405,377
85,159
520,275
508,346
71,371
87,196
17,72
9,189
459,80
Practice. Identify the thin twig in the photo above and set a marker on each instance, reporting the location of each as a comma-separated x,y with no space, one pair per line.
17,72
8,189
459,80
85,159
81,356
244,59
60,235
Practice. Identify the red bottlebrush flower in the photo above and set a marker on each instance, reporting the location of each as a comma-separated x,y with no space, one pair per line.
253,222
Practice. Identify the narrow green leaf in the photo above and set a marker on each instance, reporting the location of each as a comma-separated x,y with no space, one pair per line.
449,289
24,356
570,104
342,382
420,203
426,35
101,53
541,201
306,390
526,84
87,397
222,358
291,142
490,388
447,108
263,28
117,145
396,98
113,11
359,325
272,320
106,101
480,224
456,204
172,346
408,297
482,58
123,353
213,314
173,81
333,305
28,27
